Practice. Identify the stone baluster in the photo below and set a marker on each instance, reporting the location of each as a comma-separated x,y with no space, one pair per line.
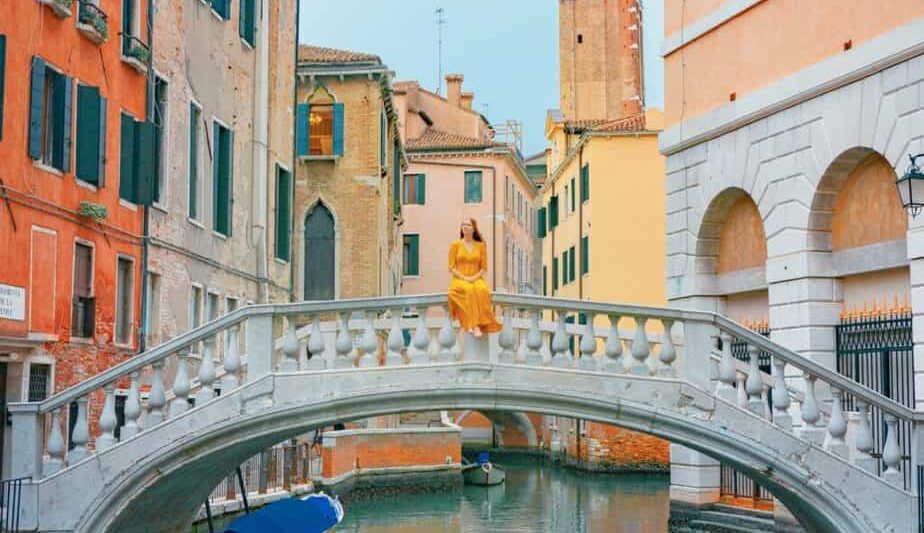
420,342
370,343
207,371
534,340
588,346
741,399
157,398
837,425
289,349
80,435
232,362
507,339
864,440
344,342
447,339
754,384
781,416
641,349
55,445
765,401
727,371
395,341
181,386
132,409
561,356
107,420
810,413
668,352
613,348
891,454
316,346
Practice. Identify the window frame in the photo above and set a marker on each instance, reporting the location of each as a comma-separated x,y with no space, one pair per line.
280,168
92,277
480,175
406,240
152,306
46,160
162,155
117,315
194,208
196,291
215,177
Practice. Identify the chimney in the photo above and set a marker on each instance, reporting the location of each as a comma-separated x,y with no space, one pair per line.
454,89
467,100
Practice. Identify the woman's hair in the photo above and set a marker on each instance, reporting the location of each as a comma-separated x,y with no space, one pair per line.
475,233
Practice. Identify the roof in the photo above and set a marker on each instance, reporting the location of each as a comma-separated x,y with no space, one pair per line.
433,138
536,159
633,123
333,56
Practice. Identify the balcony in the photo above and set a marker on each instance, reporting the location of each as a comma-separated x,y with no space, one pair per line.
93,22
61,8
135,53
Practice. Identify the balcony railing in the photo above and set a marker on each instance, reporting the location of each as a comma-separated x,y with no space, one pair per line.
93,21
135,52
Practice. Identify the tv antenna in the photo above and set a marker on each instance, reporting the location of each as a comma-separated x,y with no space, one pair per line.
440,21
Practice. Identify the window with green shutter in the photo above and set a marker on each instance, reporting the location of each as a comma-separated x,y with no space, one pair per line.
585,183
127,158
136,160
573,195
564,268
338,129
222,198
248,22
283,212
412,255
571,264
540,223
545,280
160,138
195,136
473,186
222,7
553,212
50,116
91,135
2,79
414,189
554,274
585,255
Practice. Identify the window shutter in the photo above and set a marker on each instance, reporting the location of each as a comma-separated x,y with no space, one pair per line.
571,264
101,165
421,189
127,158
545,280
283,213
338,129
585,183
574,194
88,138
35,108
145,162
67,106
585,255
301,130
554,273
248,26
2,78
540,225
553,212
415,255
222,183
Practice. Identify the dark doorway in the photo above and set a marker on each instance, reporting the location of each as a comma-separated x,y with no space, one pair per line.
319,254
2,413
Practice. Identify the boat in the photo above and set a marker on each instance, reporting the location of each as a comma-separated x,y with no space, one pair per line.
315,513
483,472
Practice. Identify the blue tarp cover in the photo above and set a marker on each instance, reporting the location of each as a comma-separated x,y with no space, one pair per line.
311,515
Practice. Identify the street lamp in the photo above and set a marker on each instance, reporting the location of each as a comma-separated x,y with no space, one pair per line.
911,187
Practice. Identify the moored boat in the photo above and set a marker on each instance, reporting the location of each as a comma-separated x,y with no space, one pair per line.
483,472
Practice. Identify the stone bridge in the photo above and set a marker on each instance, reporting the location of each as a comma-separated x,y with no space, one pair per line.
652,370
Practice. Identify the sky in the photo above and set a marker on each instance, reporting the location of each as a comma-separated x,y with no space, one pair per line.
506,49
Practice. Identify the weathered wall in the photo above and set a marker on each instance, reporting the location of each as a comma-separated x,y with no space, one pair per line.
351,451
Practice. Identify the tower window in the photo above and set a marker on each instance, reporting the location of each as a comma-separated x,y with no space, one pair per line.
580,38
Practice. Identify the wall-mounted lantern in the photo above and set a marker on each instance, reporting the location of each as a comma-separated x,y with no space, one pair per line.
911,187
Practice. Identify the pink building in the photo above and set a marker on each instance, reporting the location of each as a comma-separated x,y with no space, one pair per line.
457,170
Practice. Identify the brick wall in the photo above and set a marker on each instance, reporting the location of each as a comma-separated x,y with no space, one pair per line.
349,451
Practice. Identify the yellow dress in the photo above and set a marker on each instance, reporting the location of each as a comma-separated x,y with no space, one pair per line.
470,302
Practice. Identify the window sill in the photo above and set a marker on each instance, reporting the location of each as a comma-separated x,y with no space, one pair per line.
47,168
125,203
247,45
91,33
59,10
282,262
411,276
220,235
195,222
160,207
85,184
320,157
135,63
123,346
82,340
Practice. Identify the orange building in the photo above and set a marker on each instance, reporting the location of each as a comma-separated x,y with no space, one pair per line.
72,93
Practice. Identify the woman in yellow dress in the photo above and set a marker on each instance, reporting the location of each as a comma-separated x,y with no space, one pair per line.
469,295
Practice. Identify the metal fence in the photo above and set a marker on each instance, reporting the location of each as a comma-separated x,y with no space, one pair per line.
878,351
10,503
275,469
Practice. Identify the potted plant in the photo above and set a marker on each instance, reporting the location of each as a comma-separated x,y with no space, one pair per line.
62,8
92,211
136,51
93,20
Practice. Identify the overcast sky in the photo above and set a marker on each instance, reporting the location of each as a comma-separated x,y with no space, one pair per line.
507,49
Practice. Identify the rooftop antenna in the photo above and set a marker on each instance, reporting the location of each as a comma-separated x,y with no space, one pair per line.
440,21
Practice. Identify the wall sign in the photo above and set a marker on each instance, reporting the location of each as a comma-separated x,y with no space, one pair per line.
12,302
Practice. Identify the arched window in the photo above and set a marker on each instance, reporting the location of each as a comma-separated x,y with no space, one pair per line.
319,128
320,254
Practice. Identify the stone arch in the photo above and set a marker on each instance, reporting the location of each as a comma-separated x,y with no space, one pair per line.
731,234
326,221
520,423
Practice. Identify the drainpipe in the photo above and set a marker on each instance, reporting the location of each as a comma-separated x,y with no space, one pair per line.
580,218
260,163
292,250
146,209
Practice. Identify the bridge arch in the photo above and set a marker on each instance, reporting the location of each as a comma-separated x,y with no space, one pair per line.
179,473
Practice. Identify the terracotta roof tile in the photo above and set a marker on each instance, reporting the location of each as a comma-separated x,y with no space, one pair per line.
321,54
633,123
434,138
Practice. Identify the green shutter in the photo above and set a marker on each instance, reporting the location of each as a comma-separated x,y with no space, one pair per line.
222,182
545,280
553,212
574,194
223,8
283,212
88,139
473,187
564,268
571,264
2,78
101,182
554,274
338,129
193,149
61,140
301,130
248,22
541,220
127,158
35,108
585,183
145,162
415,255
585,255
421,189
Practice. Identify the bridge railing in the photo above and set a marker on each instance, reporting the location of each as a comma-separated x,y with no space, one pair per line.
661,343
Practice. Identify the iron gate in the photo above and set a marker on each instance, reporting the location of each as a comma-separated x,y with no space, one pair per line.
877,351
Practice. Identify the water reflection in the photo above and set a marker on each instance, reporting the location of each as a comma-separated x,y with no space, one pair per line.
535,497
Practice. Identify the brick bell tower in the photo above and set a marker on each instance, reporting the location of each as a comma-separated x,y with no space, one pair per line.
600,59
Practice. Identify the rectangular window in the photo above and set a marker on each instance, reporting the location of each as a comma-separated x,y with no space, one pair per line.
571,264
83,313
127,158
473,186
564,268
125,288
50,117
508,198
554,274
383,141
585,255
195,137
553,212
585,183
412,255
519,209
39,378
132,46
2,79
573,195
212,310
152,309
541,223
222,7
222,200
319,130
91,135
136,160
160,138
283,212
195,307
414,189
545,280
248,22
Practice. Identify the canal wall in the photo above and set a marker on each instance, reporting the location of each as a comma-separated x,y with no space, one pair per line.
359,463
